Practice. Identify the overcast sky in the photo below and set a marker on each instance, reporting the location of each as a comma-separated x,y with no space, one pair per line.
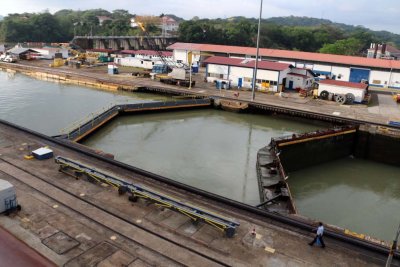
377,15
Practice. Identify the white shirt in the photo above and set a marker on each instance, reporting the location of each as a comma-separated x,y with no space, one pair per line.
320,230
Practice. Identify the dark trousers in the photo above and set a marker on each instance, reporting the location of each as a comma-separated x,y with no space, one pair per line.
320,240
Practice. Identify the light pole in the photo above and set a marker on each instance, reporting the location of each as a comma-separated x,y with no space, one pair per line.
253,87
393,248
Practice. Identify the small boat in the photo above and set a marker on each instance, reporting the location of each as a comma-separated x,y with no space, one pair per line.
234,106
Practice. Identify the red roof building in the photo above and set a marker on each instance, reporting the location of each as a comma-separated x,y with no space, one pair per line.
277,54
246,63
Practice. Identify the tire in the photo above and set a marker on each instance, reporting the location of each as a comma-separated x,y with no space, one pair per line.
340,99
350,98
324,95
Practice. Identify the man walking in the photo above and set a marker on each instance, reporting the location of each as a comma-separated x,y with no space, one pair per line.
318,237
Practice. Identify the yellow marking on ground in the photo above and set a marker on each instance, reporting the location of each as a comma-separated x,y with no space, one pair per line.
270,250
55,206
348,232
258,236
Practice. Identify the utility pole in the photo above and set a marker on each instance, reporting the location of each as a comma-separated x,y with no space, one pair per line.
393,248
253,88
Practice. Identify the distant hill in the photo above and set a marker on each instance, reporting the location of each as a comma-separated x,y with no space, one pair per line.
385,36
1,18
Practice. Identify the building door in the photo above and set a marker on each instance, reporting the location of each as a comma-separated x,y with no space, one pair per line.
240,82
357,75
290,85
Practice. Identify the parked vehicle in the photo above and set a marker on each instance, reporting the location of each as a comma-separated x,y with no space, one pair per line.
10,59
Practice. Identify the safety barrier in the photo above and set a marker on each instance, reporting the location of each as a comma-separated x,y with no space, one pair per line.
196,214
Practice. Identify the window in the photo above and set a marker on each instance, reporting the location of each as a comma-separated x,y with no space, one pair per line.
141,62
248,80
179,61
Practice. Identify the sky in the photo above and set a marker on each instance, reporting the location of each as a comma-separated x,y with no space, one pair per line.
382,15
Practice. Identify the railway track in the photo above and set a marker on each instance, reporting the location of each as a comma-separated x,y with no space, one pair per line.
167,248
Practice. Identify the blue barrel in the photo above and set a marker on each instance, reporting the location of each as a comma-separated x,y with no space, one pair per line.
195,69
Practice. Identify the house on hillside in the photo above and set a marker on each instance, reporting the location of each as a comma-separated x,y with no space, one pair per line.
383,51
168,25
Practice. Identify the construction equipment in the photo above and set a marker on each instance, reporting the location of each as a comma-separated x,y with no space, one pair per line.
196,214
169,72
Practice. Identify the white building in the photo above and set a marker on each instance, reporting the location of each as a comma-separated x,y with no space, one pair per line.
50,52
169,25
299,79
238,72
334,87
142,58
378,72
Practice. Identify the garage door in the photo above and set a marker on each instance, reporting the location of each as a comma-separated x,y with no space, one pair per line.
357,75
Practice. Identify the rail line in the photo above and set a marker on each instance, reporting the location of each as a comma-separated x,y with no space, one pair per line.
294,222
190,254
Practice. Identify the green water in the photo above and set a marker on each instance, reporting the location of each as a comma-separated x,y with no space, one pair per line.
48,107
359,195
209,149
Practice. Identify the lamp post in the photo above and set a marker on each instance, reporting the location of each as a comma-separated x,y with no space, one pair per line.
393,248
253,87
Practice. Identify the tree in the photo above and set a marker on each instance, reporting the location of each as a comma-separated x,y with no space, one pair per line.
350,46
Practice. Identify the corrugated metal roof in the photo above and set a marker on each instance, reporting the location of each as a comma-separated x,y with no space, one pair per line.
19,50
344,84
291,55
147,52
247,63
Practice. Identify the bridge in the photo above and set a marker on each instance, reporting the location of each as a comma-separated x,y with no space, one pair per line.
123,42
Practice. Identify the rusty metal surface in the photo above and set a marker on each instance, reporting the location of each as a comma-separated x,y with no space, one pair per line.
14,252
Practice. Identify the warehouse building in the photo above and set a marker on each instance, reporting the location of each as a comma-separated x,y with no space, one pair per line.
377,72
237,72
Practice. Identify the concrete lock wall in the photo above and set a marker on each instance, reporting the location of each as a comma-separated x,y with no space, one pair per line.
301,155
378,147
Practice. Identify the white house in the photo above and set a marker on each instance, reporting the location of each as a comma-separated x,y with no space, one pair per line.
168,25
344,89
299,79
238,72
378,72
